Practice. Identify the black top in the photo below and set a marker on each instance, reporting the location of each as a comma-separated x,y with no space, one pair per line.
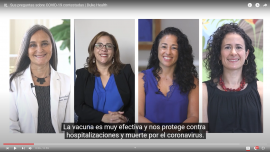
234,112
84,88
44,110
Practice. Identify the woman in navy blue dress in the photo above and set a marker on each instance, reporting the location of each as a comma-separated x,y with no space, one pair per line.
169,89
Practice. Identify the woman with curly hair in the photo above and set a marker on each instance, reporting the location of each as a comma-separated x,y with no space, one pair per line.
233,97
168,89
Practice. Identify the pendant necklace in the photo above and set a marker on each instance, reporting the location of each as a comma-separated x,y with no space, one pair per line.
41,80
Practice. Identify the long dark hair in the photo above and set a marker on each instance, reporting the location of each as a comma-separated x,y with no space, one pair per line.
184,72
23,60
214,52
92,67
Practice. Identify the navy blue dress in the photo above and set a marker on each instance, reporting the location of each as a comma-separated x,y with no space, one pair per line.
164,109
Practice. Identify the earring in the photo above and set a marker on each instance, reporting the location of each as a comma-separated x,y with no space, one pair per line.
94,60
112,60
218,62
246,63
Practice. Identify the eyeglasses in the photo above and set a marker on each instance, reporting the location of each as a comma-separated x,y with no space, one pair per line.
108,46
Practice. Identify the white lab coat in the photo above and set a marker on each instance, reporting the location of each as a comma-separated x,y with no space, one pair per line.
23,114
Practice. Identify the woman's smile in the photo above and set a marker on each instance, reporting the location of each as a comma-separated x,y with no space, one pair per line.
40,56
166,58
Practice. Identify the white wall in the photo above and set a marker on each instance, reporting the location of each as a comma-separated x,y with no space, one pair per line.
122,30
189,27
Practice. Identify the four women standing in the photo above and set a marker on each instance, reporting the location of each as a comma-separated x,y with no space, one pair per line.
168,90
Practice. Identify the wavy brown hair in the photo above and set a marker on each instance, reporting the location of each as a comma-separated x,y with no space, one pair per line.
92,67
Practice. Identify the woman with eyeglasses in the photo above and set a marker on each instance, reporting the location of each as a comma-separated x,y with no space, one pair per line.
104,88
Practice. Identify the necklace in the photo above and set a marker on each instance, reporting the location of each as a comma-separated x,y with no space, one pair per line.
221,83
41,80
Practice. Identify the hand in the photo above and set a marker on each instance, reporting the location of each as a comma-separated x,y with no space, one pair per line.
114,117
117,117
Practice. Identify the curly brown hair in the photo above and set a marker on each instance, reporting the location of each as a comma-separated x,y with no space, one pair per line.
214,52
184,72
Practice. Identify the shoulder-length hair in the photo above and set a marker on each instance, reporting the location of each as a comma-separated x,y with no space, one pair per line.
92,67
23,60
212,62
184,72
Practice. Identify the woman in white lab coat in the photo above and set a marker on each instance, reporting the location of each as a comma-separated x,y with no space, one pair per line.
39,94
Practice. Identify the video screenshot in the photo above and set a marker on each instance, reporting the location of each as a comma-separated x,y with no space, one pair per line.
145,75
